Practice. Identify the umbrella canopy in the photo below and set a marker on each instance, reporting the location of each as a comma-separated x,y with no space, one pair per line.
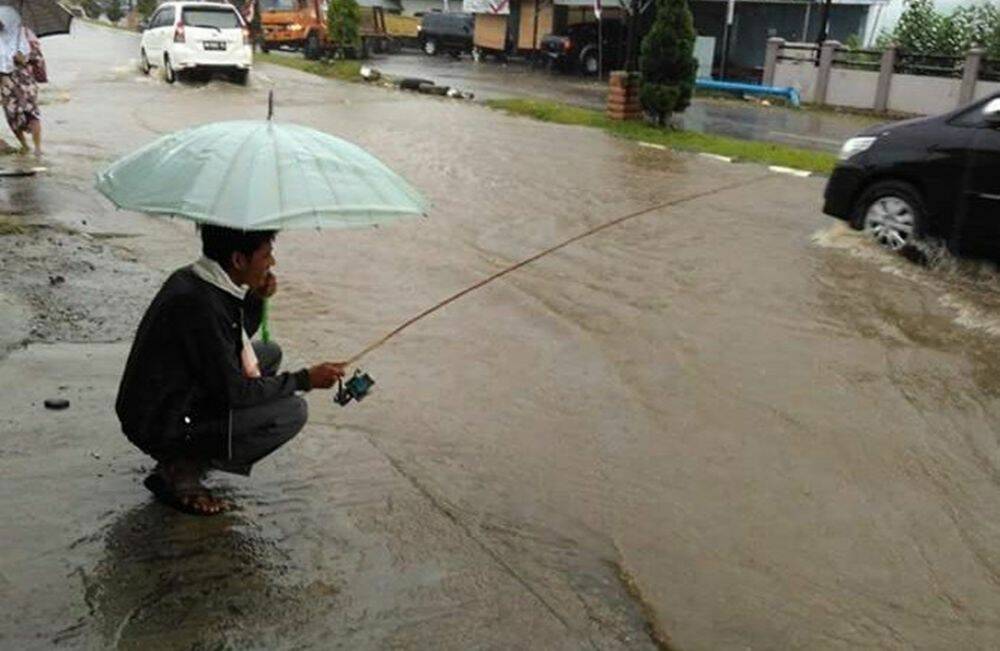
43,17
256,175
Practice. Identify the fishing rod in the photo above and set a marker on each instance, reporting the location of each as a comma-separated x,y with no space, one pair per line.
358,386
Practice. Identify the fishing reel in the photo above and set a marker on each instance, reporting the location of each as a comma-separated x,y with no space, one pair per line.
354,389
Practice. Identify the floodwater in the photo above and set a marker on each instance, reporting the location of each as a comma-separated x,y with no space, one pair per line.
726,423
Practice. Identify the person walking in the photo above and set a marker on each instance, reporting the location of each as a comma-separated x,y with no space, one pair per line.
21,68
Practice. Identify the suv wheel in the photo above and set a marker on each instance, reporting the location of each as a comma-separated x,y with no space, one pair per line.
144,62
312,48
590,63
240,76
430,47
892,213
169,75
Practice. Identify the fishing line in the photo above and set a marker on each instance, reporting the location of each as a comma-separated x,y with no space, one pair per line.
576,238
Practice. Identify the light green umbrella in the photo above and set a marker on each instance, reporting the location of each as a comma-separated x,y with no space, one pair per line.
259,175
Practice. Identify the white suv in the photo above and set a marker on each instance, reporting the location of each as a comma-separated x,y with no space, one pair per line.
185,35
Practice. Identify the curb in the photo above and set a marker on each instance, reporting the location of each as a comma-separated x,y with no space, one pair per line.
724,159
778,169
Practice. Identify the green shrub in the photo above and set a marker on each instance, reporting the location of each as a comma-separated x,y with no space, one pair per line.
343,24
667,62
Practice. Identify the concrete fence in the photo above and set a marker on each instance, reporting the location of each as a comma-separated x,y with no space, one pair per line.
882,81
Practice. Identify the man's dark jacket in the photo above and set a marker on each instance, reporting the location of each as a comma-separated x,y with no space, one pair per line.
184,370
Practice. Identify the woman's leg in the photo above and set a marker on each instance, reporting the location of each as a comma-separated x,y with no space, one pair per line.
35,126
24,142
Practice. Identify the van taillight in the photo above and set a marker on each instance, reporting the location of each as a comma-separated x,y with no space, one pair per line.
246,36
567,45
179,33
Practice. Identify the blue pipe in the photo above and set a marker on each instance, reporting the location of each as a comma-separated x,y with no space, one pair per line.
740,87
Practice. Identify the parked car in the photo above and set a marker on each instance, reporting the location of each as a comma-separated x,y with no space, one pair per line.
936,177
188,35
445,32
576,49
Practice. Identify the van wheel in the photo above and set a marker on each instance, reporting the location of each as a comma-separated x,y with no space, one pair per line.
169,74
240,76
430,47
892,213
590,63
312,49
144,66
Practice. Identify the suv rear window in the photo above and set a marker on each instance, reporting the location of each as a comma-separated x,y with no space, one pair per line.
205,17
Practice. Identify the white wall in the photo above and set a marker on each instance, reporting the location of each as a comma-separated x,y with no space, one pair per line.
800,76
923,95
985,88
853,88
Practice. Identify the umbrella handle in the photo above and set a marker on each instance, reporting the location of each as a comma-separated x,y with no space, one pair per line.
265,331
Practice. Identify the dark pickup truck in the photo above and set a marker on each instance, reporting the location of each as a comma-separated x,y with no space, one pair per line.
576,48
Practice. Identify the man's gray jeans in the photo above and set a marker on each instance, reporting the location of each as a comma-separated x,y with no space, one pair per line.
258,431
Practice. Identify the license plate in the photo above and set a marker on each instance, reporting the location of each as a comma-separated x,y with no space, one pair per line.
214,45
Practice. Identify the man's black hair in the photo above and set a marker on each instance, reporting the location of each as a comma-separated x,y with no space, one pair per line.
220,243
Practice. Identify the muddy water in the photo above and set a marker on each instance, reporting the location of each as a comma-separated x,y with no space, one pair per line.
726,422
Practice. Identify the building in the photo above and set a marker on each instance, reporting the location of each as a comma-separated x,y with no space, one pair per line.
793,20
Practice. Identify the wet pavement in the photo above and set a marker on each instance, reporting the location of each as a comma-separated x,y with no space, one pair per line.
727,423
823,131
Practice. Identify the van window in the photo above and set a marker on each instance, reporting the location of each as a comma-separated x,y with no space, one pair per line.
205,17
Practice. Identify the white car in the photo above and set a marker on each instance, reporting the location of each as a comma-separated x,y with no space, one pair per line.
187,35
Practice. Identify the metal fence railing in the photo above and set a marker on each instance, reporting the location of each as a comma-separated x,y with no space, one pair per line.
989,70
870,60
799,52
930,65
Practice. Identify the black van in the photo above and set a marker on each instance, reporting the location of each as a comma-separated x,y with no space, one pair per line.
935,177
446,32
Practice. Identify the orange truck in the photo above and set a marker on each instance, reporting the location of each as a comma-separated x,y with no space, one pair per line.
301,25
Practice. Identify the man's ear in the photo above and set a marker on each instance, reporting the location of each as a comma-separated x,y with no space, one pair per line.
239,261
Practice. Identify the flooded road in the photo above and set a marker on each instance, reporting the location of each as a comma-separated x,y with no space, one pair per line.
726,424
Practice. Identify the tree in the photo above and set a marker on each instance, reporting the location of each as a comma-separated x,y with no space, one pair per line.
146,8
343,24
667,61
114,10
920,29
91,8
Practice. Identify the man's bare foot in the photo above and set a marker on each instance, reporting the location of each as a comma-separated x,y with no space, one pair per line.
178,484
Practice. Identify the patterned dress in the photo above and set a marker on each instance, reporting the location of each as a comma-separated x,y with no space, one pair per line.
19,94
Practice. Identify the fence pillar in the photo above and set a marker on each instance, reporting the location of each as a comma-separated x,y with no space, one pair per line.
826,55
970,75
885,72
774,45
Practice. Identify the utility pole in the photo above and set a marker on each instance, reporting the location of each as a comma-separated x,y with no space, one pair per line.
632,50
727,35
824,23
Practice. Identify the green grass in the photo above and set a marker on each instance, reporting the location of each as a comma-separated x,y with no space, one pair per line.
744,150
343,70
